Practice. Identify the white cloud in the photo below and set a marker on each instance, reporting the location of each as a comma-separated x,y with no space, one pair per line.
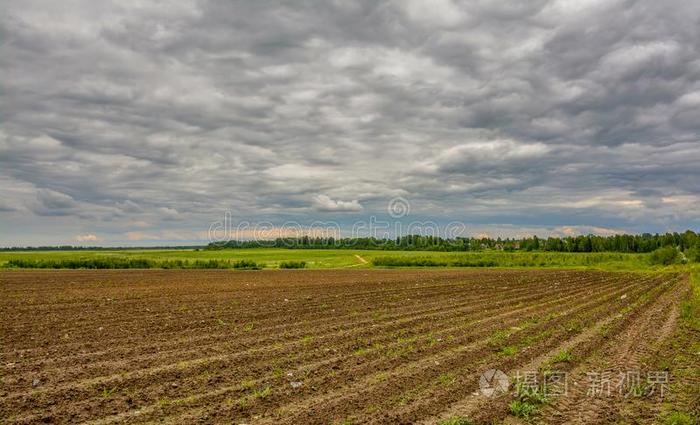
325,203
502,154
88,238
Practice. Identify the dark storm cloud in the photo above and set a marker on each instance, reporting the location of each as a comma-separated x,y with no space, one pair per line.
133,120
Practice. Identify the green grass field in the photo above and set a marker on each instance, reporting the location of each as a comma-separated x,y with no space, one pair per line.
269,258
341,258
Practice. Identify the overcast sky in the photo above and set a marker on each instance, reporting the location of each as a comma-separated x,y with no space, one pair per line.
140,123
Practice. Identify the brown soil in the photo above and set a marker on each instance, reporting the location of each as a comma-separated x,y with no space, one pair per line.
308,346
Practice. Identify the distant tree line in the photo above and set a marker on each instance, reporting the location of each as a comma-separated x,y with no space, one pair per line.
687,242
642,243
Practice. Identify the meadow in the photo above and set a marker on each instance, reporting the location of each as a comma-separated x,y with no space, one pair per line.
317,259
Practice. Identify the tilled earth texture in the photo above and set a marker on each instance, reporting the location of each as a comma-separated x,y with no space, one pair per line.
337,346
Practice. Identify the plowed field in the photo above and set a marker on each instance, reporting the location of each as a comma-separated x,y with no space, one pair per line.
333,346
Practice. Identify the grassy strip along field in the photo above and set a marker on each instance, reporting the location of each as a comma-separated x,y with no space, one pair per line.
134,263
317,258
681,352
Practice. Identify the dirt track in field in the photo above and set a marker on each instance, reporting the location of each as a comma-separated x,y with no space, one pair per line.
305,346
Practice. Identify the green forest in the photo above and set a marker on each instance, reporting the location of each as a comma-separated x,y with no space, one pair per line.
687,241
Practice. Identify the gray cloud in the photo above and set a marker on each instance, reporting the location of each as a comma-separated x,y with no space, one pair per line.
124,118
50,202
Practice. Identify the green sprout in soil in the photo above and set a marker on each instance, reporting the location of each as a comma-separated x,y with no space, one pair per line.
108,392
508,351
563,356
528,402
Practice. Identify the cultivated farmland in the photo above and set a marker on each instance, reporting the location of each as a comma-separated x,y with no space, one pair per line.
327,346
